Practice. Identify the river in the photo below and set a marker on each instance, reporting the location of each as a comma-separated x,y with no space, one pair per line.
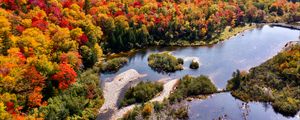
247,50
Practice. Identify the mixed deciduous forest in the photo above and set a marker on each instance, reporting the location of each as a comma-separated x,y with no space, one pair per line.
50,50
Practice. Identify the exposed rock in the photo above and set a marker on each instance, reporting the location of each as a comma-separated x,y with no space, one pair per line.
289,45
112,90
194,64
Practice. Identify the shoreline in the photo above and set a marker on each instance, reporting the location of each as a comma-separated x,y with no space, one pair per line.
225,35
285,25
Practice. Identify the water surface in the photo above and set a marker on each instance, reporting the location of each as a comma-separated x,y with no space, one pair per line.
225,106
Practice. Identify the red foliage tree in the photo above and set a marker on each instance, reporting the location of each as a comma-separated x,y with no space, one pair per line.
137,4
21,56
40,3
67,4
93,11
83,39
20,28
10,107
65,24
41,24
65,76
11,4
55,10
119,13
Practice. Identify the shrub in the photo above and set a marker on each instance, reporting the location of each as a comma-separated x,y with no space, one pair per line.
180,61
130,115
158,106
191,86
113,65
289,106
164,62
143,92
194,65
182,113
147,110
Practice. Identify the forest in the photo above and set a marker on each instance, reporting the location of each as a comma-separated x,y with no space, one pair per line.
51,50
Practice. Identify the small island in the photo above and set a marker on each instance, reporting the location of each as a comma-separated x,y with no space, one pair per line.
164,62
194,64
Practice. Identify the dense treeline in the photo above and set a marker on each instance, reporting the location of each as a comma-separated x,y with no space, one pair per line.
45,44
131,24
276,81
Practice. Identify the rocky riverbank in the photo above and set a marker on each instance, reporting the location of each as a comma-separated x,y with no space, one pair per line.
113,90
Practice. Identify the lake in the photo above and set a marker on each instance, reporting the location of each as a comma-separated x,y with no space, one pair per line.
247,50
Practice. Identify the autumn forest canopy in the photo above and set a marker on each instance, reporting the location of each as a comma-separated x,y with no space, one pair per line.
49,48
